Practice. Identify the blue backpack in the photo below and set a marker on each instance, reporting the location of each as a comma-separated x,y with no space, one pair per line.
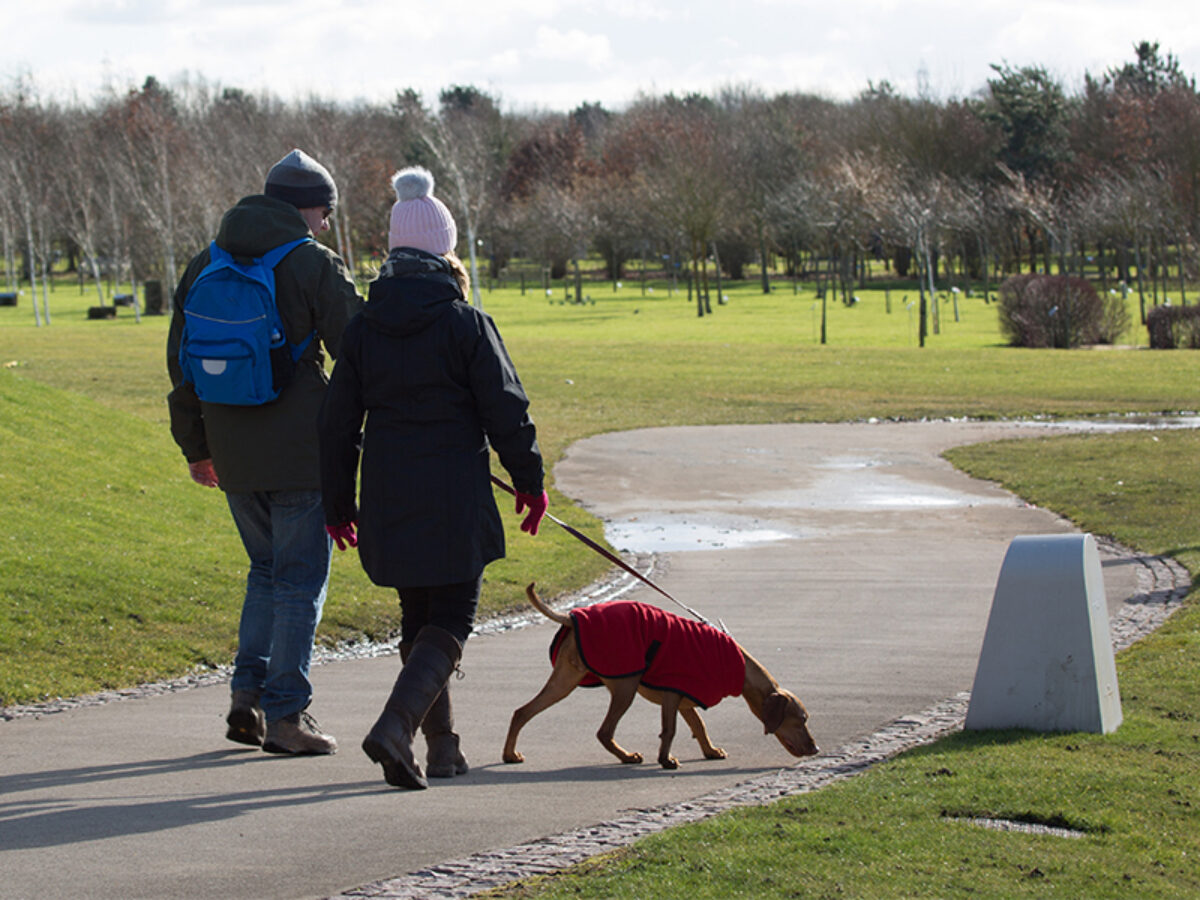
234,349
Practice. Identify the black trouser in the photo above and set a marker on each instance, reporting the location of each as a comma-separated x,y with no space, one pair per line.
450,607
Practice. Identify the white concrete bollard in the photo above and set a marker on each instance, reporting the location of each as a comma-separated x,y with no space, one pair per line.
1047,658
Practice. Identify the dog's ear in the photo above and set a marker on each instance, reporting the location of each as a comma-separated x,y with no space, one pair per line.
774,707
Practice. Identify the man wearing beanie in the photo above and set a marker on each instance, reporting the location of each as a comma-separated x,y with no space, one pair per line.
265,458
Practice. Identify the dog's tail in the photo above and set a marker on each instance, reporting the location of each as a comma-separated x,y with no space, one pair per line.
543,608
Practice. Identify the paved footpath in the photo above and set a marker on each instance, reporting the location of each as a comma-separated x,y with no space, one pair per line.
851,560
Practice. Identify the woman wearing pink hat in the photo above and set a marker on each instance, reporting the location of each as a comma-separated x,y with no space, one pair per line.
431,377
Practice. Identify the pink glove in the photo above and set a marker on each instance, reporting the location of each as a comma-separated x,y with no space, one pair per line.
202,472
343,535
537,509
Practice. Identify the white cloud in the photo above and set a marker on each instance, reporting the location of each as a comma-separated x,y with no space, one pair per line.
507,61
575,46
639,10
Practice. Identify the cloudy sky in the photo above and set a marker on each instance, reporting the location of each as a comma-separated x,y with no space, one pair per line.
556,54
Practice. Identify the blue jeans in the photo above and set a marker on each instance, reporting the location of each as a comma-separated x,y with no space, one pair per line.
289,549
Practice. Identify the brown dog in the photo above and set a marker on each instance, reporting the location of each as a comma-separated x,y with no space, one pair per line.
666,659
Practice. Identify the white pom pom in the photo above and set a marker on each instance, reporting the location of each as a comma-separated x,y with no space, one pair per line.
412,183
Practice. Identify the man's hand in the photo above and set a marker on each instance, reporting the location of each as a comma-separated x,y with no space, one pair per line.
202,472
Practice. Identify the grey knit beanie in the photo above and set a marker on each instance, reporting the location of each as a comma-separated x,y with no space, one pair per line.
300,180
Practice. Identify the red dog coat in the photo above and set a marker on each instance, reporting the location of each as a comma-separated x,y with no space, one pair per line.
670,653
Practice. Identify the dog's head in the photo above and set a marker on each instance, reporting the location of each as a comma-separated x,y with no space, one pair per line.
785,717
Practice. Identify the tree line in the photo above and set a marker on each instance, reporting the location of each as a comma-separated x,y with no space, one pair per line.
1023,175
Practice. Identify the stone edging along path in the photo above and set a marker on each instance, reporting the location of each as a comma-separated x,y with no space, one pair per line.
1162,586
613,585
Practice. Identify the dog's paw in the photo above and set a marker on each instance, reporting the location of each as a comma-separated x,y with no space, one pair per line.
631,758
669,763
715,753
513,757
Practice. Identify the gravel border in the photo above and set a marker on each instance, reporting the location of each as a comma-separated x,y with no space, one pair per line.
1162,586
613,585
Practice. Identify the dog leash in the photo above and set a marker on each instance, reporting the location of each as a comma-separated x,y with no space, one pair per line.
614,559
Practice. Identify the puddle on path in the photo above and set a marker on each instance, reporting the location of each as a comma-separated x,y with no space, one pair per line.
843,484
667,534
848,484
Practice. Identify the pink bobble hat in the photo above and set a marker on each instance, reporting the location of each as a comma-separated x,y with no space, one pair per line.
419,219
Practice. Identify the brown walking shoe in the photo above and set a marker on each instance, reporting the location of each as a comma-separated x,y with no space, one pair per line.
247,724
299,735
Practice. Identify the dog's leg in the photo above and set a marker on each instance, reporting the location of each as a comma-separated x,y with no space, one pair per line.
621,693
691,715
670,710
563,679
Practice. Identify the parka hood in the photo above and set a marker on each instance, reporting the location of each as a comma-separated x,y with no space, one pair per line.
259,223
413,289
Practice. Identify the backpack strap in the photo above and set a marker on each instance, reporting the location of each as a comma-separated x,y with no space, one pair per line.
298,350
273,258
217,255
270,260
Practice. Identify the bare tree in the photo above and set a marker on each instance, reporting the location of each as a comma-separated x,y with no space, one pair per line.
352,144
8,214
468,139
913,210
151,149
545,194
25,136
682,166
81,186
764,159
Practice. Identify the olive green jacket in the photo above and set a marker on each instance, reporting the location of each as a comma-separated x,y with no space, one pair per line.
271,447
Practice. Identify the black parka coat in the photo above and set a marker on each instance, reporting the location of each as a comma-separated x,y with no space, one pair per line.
432,378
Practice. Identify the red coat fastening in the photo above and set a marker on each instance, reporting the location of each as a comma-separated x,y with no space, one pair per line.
671,653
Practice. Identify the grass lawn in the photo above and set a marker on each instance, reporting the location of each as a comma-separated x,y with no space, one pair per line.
115,568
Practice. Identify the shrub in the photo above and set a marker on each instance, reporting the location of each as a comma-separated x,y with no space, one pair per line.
1057,311
1114,320
1174,326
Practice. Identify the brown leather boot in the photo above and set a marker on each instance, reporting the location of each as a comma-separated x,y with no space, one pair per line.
431,661
247,724
443,758
299,735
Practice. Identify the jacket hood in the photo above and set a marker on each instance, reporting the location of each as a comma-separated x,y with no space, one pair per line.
258,224
413,289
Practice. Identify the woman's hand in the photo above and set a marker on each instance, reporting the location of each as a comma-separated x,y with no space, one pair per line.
344,535
537,509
